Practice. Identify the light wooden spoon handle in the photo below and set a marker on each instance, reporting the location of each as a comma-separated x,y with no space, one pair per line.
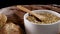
25,9
28,11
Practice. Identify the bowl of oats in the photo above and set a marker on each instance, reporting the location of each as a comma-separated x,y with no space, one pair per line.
49,25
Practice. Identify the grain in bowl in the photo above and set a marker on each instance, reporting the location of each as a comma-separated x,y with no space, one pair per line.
50,18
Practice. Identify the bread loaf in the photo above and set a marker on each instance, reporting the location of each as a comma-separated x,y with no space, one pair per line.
11,28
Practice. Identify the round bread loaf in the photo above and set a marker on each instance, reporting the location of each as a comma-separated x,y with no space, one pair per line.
11,28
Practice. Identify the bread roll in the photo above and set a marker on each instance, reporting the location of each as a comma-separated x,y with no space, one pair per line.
3,20
11,28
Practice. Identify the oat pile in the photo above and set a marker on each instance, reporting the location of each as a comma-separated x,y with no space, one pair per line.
50,18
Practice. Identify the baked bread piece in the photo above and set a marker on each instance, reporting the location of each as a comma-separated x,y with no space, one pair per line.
11,28
3,19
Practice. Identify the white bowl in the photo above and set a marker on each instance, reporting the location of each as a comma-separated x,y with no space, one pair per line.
32,28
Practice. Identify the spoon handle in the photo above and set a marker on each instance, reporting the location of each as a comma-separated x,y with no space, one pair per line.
28,11
25,9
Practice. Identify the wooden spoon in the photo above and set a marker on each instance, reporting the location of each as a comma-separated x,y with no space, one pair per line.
40,17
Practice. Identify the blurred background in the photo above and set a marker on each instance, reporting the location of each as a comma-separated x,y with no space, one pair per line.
5,3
